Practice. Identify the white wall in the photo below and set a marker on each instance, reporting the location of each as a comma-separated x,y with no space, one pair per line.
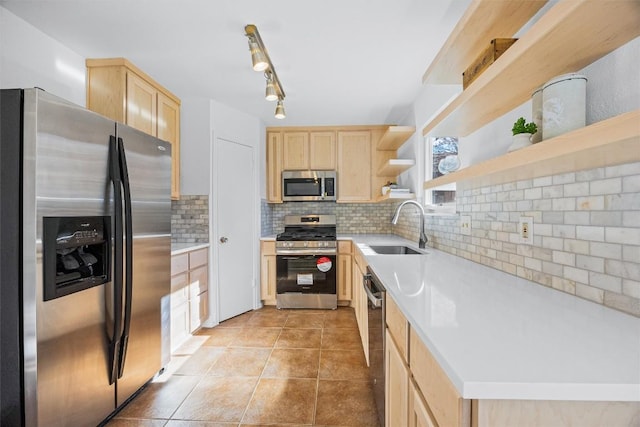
195,146
30,58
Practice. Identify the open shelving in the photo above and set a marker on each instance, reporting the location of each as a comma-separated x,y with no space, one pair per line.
394,167
606,143
481,22
394,137
568,37
390,197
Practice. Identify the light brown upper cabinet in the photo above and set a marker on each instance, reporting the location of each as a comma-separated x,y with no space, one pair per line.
354,166
295,150
274,167
119,90
315,150
322,150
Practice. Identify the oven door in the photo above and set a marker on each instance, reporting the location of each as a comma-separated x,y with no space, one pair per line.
306,274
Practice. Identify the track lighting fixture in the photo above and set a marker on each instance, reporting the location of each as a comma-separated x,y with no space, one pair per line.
261,62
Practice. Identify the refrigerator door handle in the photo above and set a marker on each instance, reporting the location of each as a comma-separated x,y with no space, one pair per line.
128,238
115,177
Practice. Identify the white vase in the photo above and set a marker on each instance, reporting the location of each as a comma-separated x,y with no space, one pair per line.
520,140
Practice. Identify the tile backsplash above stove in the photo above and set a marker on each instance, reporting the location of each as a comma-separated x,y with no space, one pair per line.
351,218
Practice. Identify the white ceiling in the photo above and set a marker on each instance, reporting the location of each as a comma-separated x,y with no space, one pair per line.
339,61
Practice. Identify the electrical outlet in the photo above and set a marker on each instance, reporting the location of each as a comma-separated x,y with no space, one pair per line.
525,230
465,225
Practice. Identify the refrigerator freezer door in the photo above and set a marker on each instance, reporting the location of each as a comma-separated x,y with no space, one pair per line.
149,168
65,174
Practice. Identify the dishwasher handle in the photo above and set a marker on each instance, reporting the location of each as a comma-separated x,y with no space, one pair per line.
375,301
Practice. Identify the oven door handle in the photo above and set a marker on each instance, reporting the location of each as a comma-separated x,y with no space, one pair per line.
318,252
375,301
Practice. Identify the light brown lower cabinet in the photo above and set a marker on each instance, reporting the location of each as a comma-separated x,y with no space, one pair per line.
507,413
419,415
359,300
396,385
268,272
344,274
189,294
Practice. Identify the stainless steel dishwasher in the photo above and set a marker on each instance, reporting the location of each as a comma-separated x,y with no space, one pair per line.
376,320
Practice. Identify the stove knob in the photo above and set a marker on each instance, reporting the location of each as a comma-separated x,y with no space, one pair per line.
306,244
289,244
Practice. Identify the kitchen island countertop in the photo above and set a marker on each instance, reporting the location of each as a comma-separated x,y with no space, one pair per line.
498,336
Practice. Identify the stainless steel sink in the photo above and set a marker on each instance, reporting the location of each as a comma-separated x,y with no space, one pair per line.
395,250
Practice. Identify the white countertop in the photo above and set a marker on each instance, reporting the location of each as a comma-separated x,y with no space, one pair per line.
180,248
498,336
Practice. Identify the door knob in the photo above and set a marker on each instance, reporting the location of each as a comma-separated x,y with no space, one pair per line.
223,240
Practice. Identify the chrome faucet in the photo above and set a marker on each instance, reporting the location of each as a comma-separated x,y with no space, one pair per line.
423,236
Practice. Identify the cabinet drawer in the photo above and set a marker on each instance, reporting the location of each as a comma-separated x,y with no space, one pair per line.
198,258
198,280
179,264
344,246
268,248
179,281
179,296
398,327
448,408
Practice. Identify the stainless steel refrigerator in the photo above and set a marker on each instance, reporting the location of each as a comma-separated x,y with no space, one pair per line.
84,260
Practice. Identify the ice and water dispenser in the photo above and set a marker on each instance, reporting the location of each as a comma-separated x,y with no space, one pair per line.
76,254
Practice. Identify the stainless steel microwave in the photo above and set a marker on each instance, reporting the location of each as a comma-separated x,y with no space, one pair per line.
305,186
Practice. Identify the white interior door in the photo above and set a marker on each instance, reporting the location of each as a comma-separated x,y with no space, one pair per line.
235,221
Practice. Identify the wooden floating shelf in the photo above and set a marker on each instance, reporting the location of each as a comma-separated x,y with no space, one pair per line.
483,21
610,142
570,36
394,137
389,197
394,167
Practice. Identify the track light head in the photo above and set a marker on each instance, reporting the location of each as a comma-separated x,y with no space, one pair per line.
270,93
280,110
258,57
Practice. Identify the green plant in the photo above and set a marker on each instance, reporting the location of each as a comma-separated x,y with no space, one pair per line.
521,127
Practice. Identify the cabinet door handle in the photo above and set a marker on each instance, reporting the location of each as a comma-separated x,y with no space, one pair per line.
223,240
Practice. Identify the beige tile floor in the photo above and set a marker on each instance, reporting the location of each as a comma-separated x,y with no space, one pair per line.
263,368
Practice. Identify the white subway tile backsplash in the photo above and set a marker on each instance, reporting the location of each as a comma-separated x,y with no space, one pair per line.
626,270
590,203
544,181
605,282
587,232
606,186
629,236
622,170
576,189
631,184
590,293
577,218
631,288
606,250
631,253
556,243
576,246
584,232
567,204
594,264
564,258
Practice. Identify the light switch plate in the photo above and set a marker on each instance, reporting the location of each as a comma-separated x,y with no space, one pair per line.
465,225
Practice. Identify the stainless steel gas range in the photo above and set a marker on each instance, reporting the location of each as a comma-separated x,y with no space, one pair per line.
306,262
